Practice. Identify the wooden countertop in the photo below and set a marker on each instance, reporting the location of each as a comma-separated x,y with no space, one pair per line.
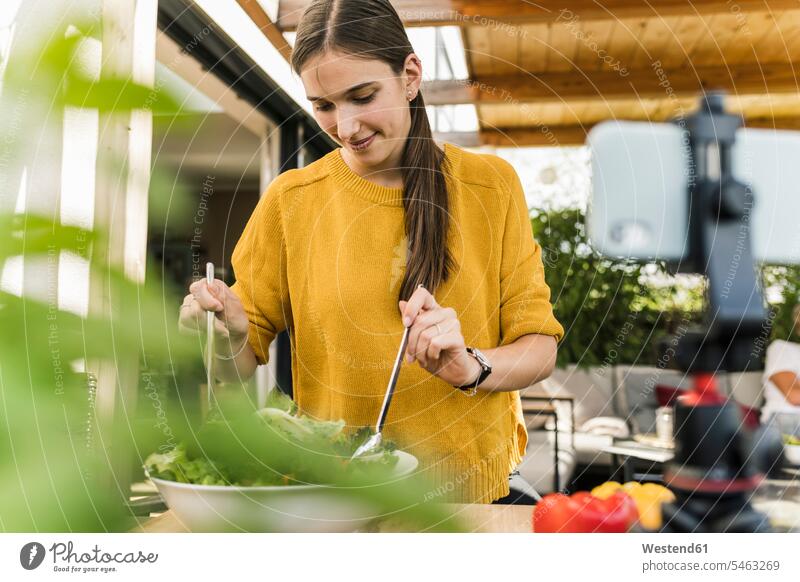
476,518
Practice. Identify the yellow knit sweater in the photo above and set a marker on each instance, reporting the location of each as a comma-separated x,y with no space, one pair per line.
323,256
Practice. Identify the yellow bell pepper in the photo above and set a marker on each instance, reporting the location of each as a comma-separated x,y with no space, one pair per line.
631,486
648,498
606,490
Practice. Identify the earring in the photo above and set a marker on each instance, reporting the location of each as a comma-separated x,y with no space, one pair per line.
410,95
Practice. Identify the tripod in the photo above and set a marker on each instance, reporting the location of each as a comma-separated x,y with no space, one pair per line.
718,462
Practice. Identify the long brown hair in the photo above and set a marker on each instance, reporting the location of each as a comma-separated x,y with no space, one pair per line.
372,29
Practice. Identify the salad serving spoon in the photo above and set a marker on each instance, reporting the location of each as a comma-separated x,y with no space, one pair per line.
374,441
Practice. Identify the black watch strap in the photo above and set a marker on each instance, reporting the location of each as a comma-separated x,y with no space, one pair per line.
486,369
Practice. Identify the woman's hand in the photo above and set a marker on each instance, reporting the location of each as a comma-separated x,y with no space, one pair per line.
230,322
435,339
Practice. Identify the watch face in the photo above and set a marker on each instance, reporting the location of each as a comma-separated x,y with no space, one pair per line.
482,359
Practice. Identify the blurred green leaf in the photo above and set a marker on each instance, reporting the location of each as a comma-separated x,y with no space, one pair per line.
55,471
111,95
39,235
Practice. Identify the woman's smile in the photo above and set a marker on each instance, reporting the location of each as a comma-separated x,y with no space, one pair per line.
361,145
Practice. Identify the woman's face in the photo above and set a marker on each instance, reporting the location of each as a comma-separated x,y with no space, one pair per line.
363,105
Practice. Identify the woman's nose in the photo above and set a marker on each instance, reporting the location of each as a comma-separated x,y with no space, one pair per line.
347,126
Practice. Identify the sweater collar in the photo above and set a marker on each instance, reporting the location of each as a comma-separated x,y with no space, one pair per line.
369,190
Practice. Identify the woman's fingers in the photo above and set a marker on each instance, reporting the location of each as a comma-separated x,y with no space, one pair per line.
418,313
433,330
220,328
187,319
193,318
425,323
205,297
419,300
430,335
441,343
187,322
199,302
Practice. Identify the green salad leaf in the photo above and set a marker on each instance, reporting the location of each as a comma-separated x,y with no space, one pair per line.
174,465
272,446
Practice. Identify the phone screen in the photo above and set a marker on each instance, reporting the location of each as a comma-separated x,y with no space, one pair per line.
639,205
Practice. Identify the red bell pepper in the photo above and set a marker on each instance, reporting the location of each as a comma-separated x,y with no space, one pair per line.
556,513
583,512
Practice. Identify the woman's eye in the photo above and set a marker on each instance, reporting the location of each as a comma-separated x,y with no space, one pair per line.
359,100
366,99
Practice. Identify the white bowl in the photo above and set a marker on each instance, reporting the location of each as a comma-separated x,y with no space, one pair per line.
280,508
792,453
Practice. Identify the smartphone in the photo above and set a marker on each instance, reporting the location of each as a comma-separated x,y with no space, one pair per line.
639,206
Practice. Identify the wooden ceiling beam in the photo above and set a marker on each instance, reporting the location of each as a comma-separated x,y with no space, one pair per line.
493,13
552,136
572,135
792,123
268,28
652,83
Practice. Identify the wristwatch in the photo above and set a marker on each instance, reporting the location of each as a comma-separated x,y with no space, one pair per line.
486,369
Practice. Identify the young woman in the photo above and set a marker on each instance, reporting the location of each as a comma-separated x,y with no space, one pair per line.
389,231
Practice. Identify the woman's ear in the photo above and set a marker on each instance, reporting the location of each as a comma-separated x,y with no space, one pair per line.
412,74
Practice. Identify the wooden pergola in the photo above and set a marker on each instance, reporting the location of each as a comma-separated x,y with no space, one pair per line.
544,72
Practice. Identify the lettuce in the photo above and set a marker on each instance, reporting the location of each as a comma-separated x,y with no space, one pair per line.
175,465
273,446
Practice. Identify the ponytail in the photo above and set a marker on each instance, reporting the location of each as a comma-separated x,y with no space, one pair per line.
427,208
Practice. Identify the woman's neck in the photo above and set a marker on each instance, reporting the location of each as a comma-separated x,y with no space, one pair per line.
386,174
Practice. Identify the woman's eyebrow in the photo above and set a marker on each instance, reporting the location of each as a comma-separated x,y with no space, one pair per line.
348,91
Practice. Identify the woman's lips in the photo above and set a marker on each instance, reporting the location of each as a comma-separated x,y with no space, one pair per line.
363,144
